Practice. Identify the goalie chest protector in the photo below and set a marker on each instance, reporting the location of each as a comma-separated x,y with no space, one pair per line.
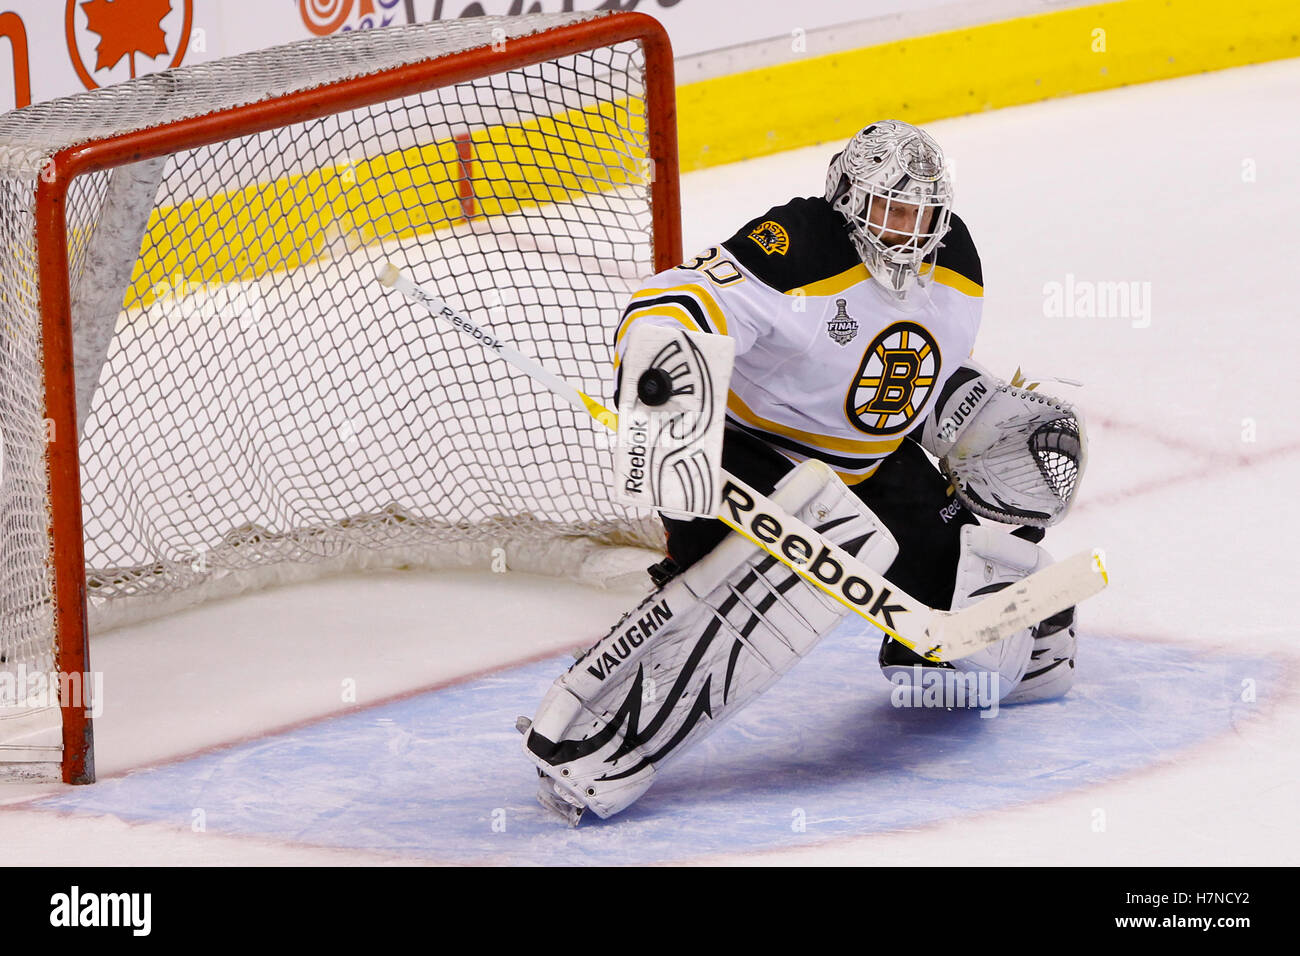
828,364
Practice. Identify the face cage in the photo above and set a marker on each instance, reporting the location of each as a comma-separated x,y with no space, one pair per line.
897,265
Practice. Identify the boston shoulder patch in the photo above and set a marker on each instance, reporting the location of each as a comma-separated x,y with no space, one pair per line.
771,237
897,375
794,245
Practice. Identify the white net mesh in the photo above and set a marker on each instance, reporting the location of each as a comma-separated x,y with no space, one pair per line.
262,402
26,618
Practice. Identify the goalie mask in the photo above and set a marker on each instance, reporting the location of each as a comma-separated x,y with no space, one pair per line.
894,189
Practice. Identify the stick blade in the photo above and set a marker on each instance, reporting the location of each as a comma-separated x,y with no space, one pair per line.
956,634
388,274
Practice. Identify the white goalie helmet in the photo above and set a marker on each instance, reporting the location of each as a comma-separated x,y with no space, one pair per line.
886,165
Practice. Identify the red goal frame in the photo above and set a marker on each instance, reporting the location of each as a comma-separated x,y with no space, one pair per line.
63,463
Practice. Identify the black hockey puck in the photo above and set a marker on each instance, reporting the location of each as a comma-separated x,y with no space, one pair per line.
654,387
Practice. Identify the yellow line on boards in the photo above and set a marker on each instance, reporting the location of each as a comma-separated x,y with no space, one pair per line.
293,220
824,98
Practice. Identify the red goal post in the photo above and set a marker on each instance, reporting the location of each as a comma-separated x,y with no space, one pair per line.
535,171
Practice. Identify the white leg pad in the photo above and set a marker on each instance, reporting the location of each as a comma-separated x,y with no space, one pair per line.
1050,672
992,559
694,653
1034,664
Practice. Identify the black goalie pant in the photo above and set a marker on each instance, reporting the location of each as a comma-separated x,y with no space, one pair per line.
907,493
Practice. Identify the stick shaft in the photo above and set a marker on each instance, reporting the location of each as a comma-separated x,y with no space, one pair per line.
529,366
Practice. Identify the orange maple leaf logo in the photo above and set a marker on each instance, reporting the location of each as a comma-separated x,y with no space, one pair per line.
125,28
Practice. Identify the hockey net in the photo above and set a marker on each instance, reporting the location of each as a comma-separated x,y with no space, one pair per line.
250,405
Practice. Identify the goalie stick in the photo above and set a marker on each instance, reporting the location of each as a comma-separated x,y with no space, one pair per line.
935,634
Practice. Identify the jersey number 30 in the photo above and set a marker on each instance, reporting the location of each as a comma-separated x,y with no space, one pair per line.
719,271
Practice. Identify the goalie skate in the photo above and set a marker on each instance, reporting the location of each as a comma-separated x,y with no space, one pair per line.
554,798
550,796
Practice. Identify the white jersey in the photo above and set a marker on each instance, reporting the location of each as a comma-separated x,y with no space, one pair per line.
829,364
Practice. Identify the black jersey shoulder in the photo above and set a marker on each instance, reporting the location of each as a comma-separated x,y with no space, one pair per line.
957,252
795,245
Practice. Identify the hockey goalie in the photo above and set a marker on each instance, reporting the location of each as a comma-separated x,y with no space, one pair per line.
822,355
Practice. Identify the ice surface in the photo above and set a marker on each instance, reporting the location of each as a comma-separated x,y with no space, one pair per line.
823,756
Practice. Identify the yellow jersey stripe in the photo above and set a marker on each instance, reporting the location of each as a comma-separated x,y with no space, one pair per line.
835,284
704,296
828,442
668,310
848,477
955,280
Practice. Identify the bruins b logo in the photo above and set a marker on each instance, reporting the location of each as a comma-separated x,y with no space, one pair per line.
895,378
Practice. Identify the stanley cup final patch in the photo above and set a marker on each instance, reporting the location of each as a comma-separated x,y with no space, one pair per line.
841,327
